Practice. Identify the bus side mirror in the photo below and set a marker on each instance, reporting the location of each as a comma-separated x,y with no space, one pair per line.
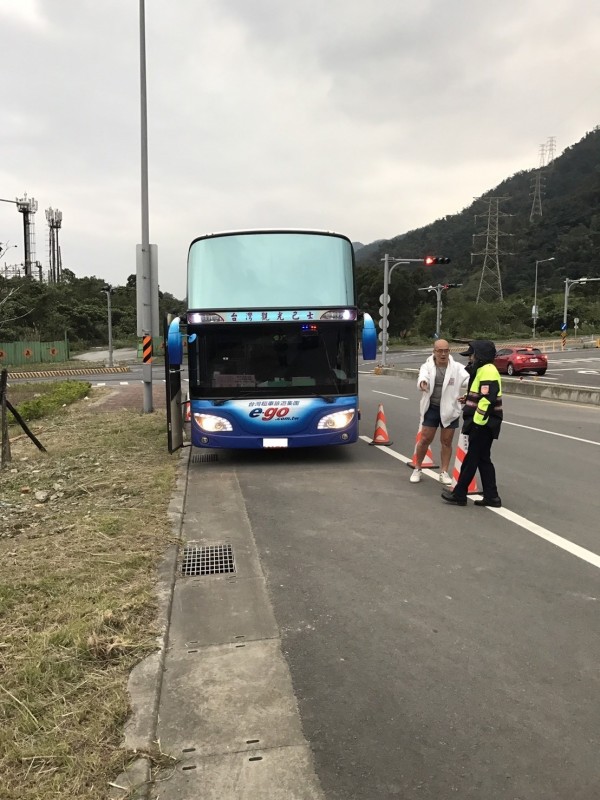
369,338
175,343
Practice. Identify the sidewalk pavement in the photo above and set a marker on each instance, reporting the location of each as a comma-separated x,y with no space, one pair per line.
217,696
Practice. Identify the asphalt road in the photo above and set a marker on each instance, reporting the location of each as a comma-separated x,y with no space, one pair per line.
576,367
436,651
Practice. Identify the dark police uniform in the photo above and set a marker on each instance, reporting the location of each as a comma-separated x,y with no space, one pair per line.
482,416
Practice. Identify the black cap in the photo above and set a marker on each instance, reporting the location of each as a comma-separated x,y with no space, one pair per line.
468,352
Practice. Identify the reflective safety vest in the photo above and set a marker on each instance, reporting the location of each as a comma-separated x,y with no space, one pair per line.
483,406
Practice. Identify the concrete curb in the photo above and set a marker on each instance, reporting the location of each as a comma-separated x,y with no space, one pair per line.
65,373
145,680
558,391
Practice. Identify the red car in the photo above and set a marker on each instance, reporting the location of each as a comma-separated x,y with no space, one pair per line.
515,360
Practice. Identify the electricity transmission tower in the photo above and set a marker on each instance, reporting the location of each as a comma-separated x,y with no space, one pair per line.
537,185
547,151
490,285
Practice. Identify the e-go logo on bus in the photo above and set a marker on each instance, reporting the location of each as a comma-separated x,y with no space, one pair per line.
270,412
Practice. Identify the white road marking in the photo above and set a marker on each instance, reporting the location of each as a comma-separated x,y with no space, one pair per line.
551,433
123,383
553,538
517,519
99,384
576,360
399,396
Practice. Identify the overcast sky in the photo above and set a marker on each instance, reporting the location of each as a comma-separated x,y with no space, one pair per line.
368,118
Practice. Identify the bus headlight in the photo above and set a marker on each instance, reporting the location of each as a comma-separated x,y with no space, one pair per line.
340,419
212,423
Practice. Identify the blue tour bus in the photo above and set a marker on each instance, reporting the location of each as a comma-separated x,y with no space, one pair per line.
272,339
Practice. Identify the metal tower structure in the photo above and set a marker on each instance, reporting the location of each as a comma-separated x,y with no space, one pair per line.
537,184
550,148
28,206
490,285
54,219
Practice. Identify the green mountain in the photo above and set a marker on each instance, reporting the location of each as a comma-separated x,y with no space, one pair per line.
568,230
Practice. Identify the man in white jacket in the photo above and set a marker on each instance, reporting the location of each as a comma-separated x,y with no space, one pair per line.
442,381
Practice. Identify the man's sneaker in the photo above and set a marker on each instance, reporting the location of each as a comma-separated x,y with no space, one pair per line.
445,479
493,502
416,476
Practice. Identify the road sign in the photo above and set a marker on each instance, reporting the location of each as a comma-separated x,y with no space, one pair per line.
563,327
384,324
381,311
380,336
576,320
382,300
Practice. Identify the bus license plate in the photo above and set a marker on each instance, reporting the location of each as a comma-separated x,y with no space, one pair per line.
275,442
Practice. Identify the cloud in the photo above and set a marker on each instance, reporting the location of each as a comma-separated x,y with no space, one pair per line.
371,119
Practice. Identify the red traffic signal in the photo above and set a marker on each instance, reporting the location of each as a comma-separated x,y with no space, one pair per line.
431,260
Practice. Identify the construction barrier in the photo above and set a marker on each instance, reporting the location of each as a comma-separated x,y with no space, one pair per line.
428,462
461,451
381,433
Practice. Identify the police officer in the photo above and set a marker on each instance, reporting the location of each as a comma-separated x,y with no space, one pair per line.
482,419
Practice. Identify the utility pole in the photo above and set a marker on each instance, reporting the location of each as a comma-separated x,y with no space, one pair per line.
144,286
534,310
108,290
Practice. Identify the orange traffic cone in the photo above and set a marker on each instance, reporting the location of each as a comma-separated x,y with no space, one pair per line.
381,435
461,451
428,462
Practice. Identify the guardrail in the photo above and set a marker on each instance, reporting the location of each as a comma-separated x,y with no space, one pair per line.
535,388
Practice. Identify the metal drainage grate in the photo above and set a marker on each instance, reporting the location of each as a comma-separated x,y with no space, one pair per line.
211,560
199,458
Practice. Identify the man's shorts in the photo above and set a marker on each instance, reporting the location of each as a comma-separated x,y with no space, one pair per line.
432,419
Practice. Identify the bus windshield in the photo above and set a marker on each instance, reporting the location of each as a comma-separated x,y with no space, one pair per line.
274,269
273,360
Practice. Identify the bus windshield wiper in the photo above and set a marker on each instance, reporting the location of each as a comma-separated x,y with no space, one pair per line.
220,401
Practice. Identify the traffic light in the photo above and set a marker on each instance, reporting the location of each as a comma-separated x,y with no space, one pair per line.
431,260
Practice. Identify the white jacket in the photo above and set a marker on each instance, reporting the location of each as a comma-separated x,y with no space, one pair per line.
455,380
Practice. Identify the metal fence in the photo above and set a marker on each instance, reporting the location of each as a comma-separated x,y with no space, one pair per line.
18,354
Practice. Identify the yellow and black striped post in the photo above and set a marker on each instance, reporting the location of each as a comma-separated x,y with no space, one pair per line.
563,340
147,349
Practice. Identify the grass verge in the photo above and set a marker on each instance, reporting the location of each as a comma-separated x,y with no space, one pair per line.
38,400
82,530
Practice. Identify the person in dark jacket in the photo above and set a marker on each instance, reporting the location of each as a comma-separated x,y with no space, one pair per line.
482,420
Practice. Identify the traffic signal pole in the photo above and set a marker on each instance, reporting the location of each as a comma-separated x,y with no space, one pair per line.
438,292
384,299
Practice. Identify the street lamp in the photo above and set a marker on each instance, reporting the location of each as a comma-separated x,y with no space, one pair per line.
108,290
568,284
534,310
